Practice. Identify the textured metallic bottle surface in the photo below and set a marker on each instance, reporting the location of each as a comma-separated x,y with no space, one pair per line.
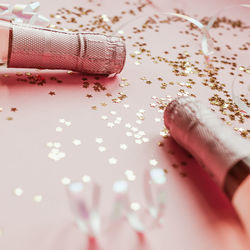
213,144
91,53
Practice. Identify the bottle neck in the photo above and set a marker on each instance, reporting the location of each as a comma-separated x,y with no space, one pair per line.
235,176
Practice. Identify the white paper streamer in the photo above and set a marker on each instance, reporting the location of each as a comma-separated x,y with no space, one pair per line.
23,13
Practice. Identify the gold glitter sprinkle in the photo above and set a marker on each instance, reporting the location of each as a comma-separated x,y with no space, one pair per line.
76,142
13,109
112,161
18,191
94,107
37,198
9,118
65,181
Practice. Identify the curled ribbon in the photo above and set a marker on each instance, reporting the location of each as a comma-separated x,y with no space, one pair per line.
85,208
155,195
84,203
23,13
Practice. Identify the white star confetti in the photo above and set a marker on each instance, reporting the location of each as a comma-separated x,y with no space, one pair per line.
128,125
76,142
104,117
112,161
123,146
129,133
66,181
37,198
102,149
59,129
18,191
86,178
153,162
130,175
126,106
110,124
99,140
135,206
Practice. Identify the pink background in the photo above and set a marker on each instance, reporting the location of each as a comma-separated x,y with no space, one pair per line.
198,215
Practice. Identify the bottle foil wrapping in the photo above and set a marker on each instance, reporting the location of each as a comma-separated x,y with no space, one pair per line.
215,146
42,48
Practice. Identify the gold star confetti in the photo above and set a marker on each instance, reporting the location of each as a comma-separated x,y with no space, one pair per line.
9,118
108,94
13,109
104,104
94,108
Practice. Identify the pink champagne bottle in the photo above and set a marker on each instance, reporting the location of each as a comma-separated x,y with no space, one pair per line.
26,46
225,154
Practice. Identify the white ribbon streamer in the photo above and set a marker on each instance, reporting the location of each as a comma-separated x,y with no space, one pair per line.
23,13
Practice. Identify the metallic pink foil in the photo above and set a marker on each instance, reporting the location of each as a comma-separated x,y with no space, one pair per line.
197,129
36,47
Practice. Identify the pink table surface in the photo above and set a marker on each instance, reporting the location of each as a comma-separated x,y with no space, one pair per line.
198,215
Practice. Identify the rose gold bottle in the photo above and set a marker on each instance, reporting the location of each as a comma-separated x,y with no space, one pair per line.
26,46
225,154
